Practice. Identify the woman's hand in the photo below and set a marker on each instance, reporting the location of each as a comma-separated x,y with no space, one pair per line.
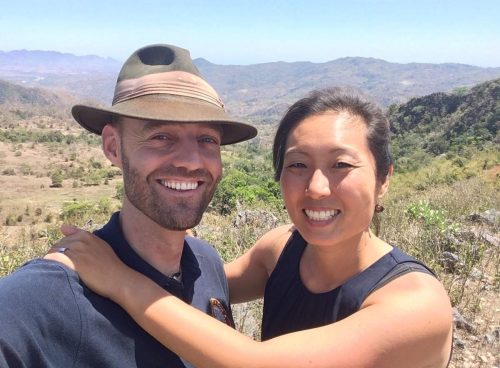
92,258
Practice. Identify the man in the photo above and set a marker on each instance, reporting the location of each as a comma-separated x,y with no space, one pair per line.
164,130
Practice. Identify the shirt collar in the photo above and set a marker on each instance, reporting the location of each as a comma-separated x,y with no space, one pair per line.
113,235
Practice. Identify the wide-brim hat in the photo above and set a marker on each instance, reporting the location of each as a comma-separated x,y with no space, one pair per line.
161,83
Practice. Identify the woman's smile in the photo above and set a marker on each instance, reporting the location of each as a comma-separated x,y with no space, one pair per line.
321,215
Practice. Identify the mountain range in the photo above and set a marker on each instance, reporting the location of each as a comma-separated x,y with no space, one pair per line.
259,92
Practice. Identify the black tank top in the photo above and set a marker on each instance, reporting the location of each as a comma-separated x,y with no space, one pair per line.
289,306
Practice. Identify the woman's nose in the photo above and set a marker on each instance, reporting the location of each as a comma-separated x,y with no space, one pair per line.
319,185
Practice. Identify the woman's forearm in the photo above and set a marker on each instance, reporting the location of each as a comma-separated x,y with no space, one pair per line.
352,342
198,338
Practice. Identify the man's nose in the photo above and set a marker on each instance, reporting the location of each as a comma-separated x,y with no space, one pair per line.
318,186
188,155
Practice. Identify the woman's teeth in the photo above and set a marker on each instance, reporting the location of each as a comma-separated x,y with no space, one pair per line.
321,215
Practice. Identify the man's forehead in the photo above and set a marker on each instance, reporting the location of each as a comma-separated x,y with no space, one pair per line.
156,124
147,125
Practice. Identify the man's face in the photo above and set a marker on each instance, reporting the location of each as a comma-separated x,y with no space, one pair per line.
170,171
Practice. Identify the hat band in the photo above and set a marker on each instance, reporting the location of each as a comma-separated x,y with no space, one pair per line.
176,83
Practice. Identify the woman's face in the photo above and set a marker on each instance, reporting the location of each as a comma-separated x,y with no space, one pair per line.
328,180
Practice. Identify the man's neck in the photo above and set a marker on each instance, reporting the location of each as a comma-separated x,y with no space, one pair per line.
160,247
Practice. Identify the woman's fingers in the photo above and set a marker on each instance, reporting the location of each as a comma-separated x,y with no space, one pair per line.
69,230
91,257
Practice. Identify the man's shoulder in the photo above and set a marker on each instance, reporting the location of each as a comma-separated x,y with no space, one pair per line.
201,248
39,288
39,276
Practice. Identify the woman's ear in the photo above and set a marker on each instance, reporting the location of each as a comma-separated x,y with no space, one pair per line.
385,185
111,144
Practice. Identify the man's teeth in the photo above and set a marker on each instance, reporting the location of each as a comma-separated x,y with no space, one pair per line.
180,185
321,215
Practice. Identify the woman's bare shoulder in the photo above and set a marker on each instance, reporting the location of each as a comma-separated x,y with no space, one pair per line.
271,244
275,239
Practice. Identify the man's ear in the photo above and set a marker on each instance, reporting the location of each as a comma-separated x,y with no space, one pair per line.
385,185
111,144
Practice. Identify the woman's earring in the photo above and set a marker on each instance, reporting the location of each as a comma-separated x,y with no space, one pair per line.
379,208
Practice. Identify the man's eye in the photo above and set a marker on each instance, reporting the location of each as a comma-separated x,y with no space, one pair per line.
160,137
209,140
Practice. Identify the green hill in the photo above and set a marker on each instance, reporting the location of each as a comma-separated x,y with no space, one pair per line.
445,123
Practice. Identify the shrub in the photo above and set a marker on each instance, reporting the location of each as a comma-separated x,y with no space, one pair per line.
93,178
9,171
80,212
26,169
57,180
103,206
238,187
75,210
49,217
422,210
10,220
119,191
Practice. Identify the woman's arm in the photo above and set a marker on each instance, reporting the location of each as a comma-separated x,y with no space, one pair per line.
396,329
247,275
407,323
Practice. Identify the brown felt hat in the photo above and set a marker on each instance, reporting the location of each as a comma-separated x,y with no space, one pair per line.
161,83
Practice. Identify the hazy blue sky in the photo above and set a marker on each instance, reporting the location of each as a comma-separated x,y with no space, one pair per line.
254,31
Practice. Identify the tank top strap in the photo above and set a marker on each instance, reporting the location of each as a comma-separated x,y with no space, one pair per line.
389,267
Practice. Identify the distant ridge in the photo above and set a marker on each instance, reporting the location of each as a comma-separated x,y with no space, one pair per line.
249,87
260,92
87,77
26,61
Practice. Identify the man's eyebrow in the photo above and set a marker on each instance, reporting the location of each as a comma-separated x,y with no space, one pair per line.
151,125
216,127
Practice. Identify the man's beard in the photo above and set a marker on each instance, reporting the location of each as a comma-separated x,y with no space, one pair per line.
180,214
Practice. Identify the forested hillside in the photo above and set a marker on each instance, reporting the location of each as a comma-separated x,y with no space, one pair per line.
445,123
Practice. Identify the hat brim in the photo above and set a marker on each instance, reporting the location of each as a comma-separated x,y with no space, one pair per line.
158,107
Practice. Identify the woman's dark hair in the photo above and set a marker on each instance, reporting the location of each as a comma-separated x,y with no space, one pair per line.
337,100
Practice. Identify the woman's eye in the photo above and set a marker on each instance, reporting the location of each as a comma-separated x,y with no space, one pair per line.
296,165
342,165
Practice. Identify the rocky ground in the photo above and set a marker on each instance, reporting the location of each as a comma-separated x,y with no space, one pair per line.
477,337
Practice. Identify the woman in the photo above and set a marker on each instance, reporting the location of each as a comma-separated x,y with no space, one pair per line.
335,295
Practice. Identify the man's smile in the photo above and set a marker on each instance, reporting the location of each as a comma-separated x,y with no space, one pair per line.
180,185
